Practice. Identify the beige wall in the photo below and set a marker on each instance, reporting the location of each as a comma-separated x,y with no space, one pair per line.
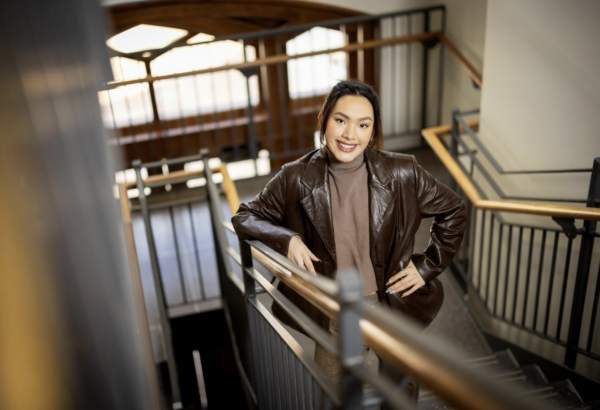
541,95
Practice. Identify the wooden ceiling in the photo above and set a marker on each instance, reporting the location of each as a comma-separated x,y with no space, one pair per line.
221,18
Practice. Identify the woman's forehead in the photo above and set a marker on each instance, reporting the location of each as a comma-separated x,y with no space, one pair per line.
354,106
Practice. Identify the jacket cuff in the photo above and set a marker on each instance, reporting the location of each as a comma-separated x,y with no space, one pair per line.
282,241
425,267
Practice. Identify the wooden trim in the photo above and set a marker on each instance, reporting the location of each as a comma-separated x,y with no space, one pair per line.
182,176
282,58
432,135
475,76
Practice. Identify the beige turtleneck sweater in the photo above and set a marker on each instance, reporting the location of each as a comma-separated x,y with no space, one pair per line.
348,183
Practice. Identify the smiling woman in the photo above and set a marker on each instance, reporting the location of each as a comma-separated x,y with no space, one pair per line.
351,204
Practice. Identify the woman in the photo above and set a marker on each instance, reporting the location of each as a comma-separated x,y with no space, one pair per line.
350,204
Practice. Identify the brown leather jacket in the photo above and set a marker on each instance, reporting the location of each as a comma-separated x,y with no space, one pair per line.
401,192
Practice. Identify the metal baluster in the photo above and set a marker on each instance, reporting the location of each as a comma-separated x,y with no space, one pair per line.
489,262
508,253
518,268
498,267
564,288
178,254
302,404
197,254
550,286
539,281
527,276
594,313
482,238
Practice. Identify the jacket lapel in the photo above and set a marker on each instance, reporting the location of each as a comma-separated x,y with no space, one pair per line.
381,199
317,203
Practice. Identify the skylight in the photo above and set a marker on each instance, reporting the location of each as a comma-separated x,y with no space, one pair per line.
144,37
200,38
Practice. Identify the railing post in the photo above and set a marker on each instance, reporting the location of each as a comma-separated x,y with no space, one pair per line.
454,144
160,292
350,339
583,269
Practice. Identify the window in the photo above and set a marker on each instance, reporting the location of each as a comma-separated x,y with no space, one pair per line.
315,75
203,93
130,104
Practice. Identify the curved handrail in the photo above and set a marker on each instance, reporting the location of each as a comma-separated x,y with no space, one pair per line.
433,134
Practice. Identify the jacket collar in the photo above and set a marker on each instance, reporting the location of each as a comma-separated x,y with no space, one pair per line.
316,175
317,203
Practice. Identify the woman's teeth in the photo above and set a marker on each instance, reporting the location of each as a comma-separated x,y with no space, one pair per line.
346,147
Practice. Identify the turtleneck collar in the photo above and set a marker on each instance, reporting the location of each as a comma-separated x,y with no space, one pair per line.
337,165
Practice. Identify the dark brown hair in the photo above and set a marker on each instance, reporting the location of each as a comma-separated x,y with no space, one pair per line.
357,88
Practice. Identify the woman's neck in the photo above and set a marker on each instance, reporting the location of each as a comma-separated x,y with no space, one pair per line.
337,165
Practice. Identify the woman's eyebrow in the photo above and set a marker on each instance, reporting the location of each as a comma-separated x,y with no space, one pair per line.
360,119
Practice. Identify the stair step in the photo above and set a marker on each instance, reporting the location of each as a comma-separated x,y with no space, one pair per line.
567,398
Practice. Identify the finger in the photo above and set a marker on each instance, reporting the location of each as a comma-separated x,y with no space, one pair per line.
414,289
396,277
313,257
402,285
309,266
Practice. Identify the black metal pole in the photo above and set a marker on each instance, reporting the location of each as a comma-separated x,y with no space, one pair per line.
583,270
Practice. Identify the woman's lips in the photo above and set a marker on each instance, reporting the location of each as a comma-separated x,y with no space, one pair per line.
345,149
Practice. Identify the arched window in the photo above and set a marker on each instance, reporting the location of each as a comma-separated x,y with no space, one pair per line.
315,75
178,97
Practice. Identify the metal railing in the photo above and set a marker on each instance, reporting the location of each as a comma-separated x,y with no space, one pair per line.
278,373
521,274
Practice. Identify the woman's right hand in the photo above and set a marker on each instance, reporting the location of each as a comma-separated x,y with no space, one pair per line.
299,253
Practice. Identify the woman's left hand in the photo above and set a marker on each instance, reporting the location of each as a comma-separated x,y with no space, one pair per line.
410,277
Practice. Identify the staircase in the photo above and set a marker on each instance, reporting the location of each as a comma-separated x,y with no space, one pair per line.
529,382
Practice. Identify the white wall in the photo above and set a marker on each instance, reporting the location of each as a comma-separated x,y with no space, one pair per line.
541,93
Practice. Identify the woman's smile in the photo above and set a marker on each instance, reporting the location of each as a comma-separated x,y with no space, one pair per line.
346,147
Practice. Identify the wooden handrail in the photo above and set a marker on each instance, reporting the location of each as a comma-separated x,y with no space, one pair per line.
282,58
182,176
471,72
432,135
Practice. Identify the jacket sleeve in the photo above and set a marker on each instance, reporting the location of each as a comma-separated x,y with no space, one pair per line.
262,217
435,199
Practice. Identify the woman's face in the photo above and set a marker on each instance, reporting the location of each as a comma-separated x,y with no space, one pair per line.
349,127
